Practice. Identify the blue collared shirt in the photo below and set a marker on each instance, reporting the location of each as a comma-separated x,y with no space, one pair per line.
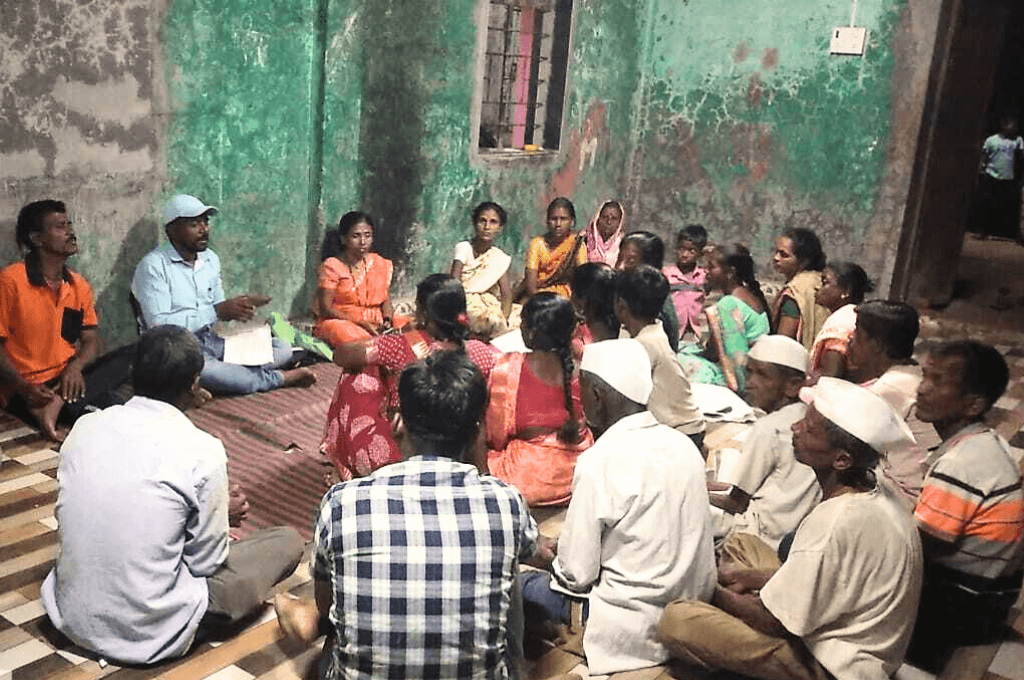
173,291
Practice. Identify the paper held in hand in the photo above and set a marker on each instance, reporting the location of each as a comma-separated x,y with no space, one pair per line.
248,344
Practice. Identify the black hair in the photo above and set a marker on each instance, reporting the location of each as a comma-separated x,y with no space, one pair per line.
983,370
695,234
490,205
443,300
594,284
562,202
643,289
807,248
442,400
167,361
737,257
31,221
1007,120
853,279
893,325
334,239
862,455
552,319
652,248
612,204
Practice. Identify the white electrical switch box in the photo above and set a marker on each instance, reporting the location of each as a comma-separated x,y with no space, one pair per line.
848,40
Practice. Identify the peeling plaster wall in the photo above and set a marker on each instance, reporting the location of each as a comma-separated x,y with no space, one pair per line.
82,120
288,114
750,126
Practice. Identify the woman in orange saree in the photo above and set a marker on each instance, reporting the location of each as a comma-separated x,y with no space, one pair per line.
535,424
353,301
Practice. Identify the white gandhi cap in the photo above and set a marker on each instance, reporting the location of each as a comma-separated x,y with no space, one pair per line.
780,350
859,412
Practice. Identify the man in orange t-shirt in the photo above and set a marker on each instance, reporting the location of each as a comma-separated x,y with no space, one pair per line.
47,321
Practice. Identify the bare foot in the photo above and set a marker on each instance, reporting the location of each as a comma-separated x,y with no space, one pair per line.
298,618
299,377
47,418
201,397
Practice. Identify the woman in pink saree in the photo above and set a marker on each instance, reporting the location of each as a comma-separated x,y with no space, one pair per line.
535,423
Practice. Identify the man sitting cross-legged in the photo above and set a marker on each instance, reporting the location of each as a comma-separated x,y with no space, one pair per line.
143,514
637,533
971,509
414,565
179,282
843,603
49,343
770,492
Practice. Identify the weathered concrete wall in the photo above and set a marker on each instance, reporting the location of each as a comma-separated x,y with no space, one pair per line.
750,126
400,87
288,114
82,118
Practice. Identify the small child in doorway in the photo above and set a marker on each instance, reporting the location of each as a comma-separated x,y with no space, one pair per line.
687,279
1000,185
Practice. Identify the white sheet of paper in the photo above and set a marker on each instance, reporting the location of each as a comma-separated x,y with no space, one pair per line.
250,347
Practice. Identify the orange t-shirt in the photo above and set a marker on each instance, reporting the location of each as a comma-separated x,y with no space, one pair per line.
32,320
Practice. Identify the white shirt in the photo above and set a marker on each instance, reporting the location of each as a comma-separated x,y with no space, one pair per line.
143,521
901,470
637,534
851,585
671,400
782,489
998,154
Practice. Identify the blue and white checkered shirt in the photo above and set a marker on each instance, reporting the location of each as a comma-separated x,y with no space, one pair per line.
422,555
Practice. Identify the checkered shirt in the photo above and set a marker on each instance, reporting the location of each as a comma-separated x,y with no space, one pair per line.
422,557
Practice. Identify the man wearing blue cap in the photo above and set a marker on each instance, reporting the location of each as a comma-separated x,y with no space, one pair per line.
179,283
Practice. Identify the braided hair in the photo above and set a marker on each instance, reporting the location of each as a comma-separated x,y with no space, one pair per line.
443,301
553,320
737,257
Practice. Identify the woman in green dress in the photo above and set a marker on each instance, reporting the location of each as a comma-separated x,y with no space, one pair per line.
735,322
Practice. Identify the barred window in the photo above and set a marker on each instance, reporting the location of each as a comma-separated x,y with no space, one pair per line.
523,88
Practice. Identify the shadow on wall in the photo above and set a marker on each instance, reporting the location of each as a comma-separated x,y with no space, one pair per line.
117,326
392,119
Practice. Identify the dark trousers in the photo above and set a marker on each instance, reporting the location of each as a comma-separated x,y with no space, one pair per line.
104,380
959,609
253,567
998,207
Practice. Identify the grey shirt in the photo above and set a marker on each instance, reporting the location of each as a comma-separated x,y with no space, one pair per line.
143,521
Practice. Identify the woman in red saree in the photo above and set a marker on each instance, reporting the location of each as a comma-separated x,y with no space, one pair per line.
353,301
535,424
358,437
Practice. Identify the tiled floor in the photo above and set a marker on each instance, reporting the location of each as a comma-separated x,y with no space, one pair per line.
31,649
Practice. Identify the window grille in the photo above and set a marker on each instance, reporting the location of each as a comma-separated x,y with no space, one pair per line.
524,73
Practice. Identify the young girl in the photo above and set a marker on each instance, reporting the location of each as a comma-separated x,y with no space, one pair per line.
551,259
844,286
687,279
483,269
735,322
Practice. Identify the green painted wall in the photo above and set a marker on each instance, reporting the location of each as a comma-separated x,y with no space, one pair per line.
242,79
750,126
732,114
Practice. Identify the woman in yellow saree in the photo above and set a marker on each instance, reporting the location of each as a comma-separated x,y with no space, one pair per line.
552,258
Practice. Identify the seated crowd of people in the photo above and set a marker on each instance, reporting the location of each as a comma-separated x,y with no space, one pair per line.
868,516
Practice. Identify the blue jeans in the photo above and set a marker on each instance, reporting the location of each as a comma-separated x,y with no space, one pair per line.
222,378
541,603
